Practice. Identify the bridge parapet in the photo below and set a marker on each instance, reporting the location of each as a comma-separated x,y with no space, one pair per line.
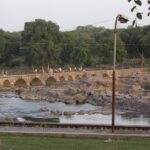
26,80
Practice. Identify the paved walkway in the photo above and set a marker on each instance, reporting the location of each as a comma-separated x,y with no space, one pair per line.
63,132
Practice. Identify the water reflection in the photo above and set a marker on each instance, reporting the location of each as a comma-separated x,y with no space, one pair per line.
105,119
13,106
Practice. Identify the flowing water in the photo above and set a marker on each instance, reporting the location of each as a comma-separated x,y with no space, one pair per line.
11,106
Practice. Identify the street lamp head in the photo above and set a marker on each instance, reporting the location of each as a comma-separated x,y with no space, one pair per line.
122,19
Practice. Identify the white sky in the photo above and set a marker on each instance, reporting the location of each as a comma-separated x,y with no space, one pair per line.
68,14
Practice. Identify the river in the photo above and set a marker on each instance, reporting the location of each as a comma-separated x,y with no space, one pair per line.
11,106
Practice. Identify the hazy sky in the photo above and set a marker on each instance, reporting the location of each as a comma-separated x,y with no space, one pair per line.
68,14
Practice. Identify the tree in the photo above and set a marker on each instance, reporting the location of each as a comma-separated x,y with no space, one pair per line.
136,41
41,42
11,55
132,38
79,56
104,51
145,40
2,45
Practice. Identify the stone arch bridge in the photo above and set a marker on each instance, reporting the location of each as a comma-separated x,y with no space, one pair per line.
27,80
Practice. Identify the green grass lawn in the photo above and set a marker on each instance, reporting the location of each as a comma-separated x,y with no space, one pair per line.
48,143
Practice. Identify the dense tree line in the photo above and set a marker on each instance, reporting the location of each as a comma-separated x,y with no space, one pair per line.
42,43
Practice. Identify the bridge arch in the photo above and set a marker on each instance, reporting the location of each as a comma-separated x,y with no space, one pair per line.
70,78
6,83
62,79
77,77
20,83
50,81
36,82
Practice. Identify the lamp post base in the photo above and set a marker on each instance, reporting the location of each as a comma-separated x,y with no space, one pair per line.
113,100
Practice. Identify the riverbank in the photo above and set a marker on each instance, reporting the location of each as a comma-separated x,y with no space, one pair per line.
132,93
13,109
87,100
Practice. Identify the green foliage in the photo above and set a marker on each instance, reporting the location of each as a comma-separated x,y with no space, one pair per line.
41,43
9,47
137,41
79,56
103,49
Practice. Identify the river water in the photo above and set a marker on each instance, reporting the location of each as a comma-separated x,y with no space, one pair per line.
11,106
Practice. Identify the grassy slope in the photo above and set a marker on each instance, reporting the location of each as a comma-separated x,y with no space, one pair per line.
46,143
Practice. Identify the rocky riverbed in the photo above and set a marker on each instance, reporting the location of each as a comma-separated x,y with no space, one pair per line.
132,93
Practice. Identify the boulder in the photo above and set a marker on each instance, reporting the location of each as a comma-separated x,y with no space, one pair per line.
106,110
44,109
51,99
136,88
56,112
80,99
69,101
81,112
69,113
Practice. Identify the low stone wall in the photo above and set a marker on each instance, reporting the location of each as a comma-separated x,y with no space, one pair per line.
27,80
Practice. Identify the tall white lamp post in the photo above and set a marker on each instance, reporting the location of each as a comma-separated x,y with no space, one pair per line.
121,19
